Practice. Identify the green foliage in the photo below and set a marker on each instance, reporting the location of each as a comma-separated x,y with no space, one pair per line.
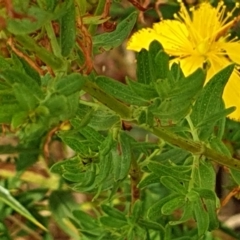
145,151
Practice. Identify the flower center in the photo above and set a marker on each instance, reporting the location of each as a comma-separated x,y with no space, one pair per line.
203,47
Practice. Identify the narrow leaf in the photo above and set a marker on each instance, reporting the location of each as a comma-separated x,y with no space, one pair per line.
24,96
113,39
173,204
172,184
120,91
70,84
113,212
8,199
122,157
68,30
202,218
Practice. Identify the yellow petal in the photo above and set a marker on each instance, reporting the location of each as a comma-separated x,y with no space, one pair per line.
231,95
217,63
189,64
142,39
232,49
205,21
174,37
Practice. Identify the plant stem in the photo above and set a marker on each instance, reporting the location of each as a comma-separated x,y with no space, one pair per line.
195,147
192,128
109,101
135,175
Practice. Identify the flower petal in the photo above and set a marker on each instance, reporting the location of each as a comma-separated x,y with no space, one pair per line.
232,49
189,64
141,39
231,95
174,37
205,21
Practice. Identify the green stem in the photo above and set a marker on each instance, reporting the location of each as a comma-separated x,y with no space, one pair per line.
109,101
192,128
135,175
195,167
195,147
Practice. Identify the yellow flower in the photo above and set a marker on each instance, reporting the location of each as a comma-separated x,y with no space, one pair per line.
195,38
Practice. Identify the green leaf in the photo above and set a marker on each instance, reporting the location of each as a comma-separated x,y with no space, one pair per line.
216,116
12,76
84,220
212,213
37,18
112,222
119,91
7,111
103,119
8,199
79,177
172,184
207,175
173,204
176,72
176,155
26,99
105,167
57,105
148,179
91,135
47,57
137,211
151,225
106,145
113,212
69,84
4,64
113,39
144,91
30,71
154,212
210,102
180,173
68,30
122,157
186,215
162,64
18,119
235,175
148,69
176,96
70,165
143,68
82,117
206,193
28,158
61,205
51,4
72,105
202,217
78,144
218,145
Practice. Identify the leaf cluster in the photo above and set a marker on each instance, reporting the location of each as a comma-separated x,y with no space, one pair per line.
145,152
